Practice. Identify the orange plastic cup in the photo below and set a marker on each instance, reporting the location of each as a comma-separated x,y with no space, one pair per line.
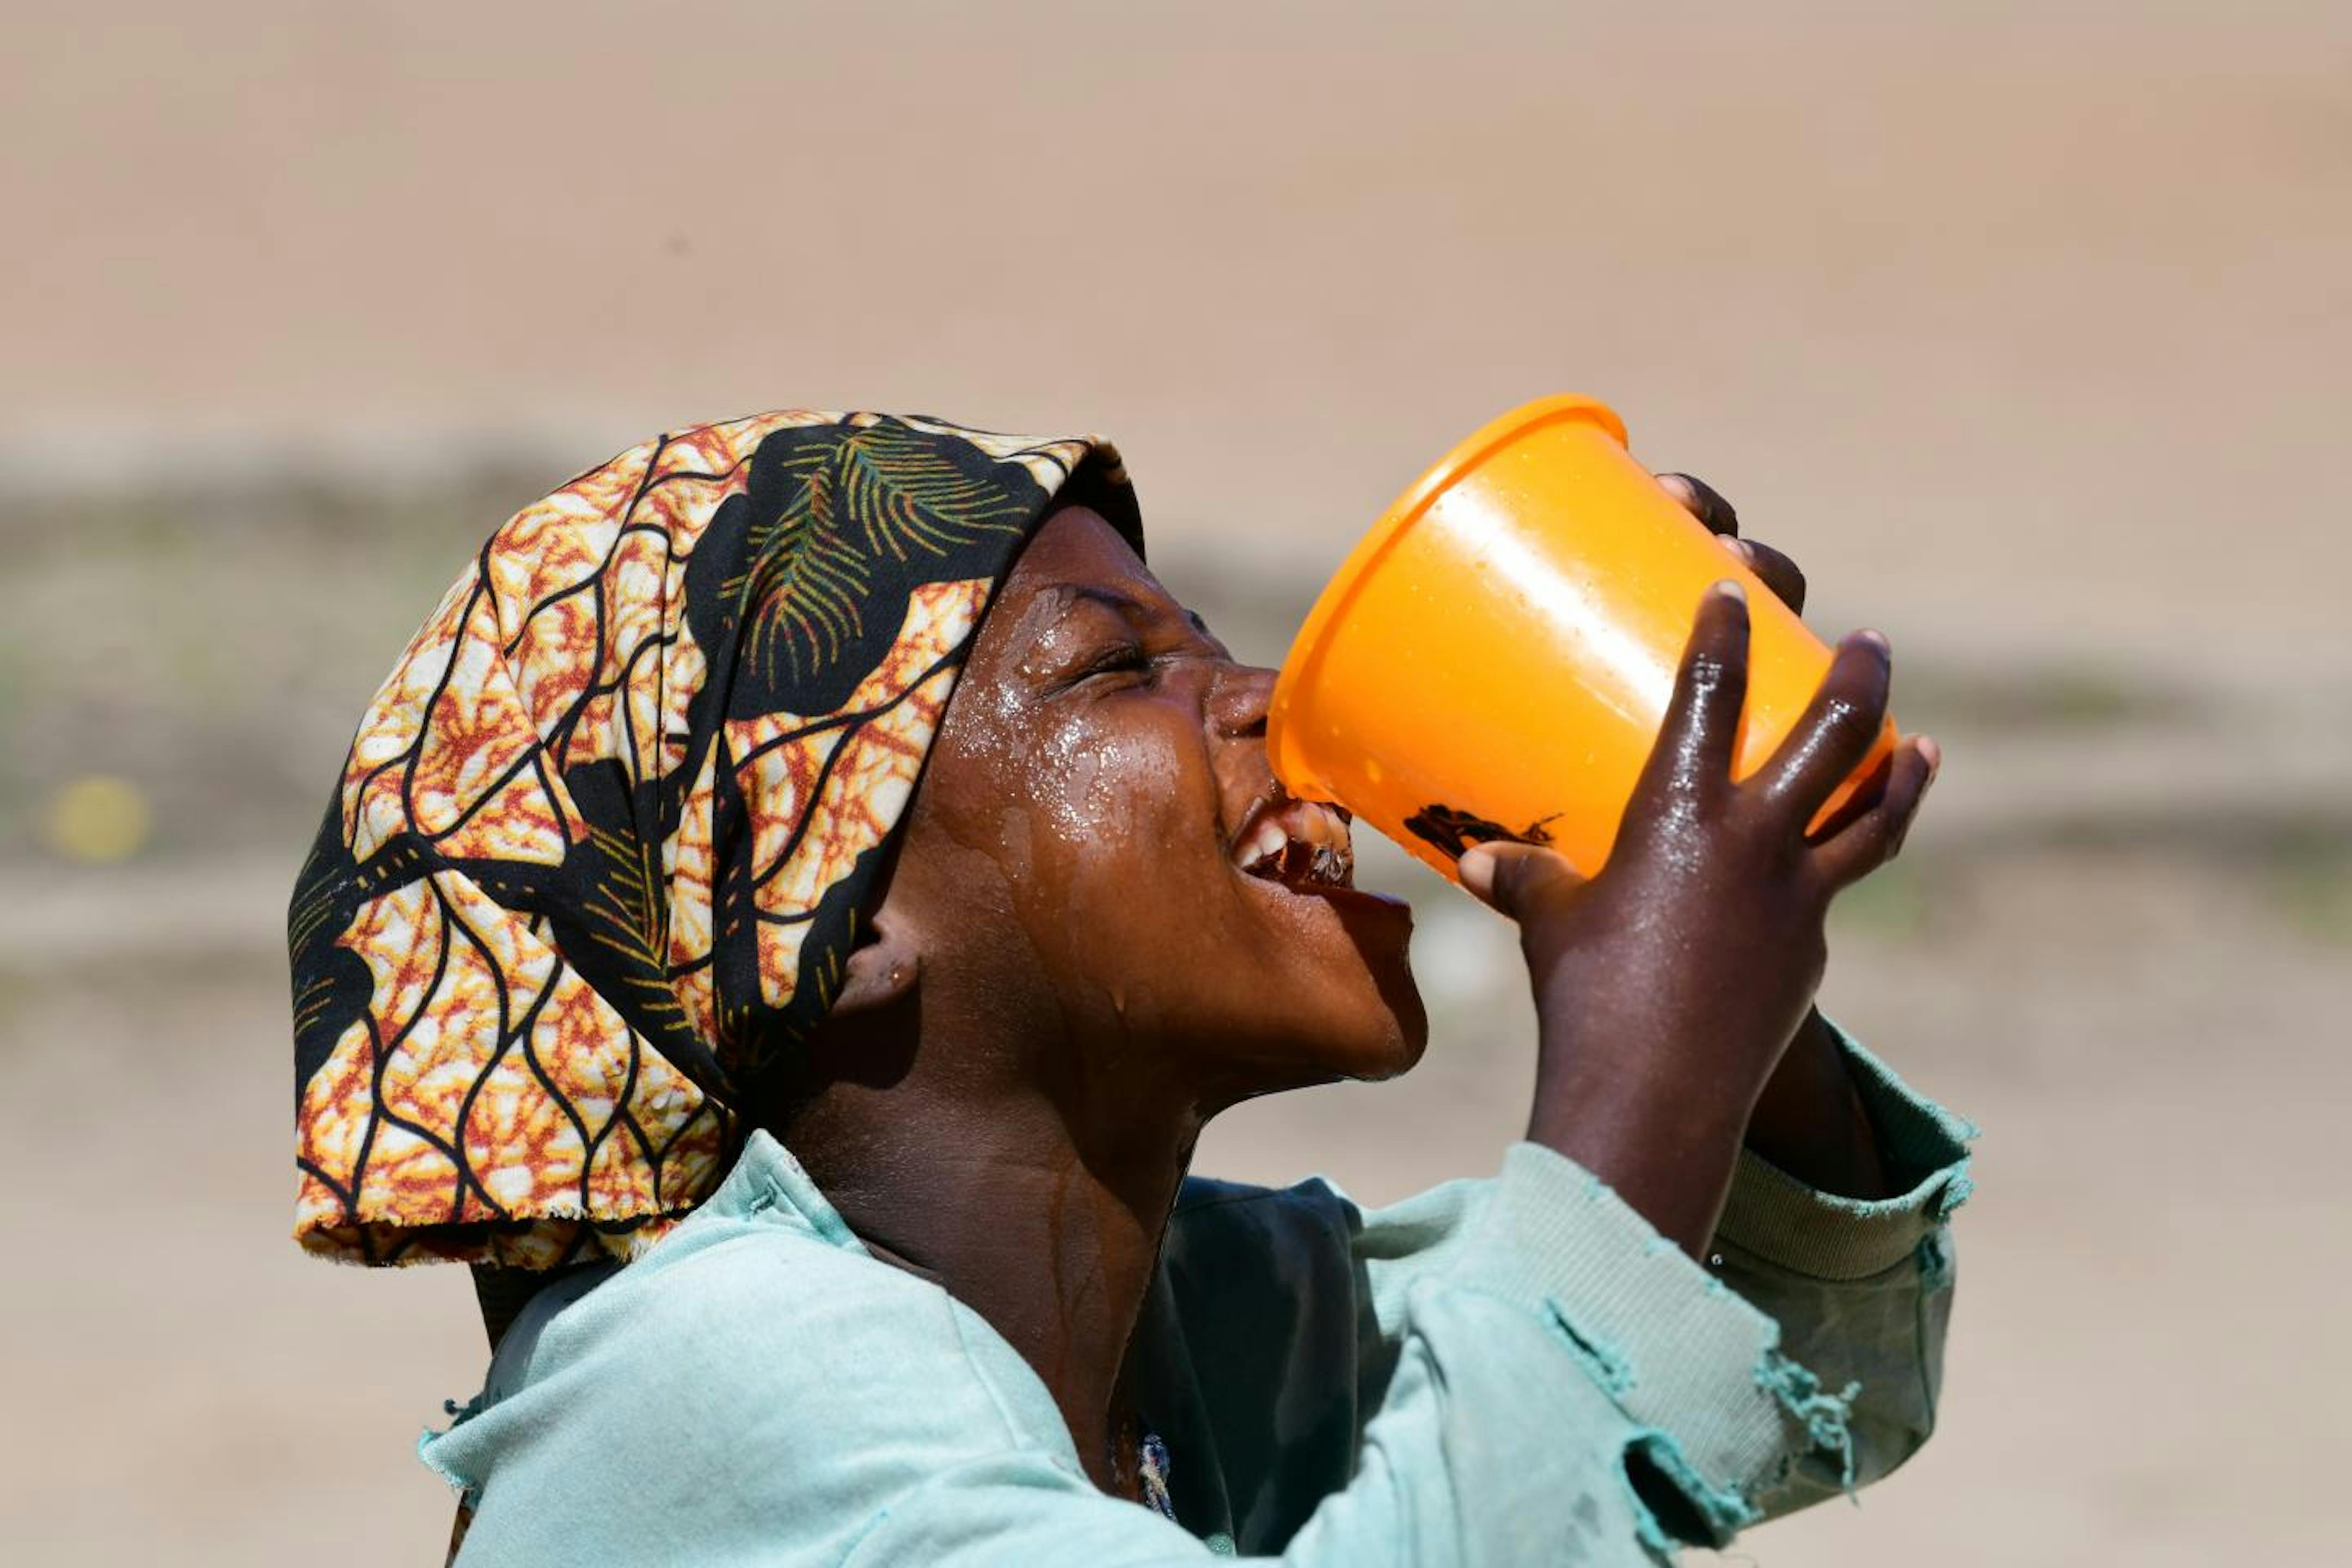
1495,659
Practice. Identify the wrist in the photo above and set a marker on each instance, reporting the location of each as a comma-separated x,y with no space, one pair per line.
1690,1076
1664,1136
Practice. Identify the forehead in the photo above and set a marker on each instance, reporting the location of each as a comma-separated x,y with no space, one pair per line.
1077,544
1076,558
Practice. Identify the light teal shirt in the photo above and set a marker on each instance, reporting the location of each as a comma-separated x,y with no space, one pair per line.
1510,1371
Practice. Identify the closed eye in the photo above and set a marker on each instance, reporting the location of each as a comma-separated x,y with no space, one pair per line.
1126,655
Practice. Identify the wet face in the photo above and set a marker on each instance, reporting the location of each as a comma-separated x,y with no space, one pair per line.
1098,852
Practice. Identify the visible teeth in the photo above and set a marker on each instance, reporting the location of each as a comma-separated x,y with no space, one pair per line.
1302,842
1315,824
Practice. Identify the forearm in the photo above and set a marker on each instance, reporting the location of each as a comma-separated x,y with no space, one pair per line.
1666,1142
1810,1120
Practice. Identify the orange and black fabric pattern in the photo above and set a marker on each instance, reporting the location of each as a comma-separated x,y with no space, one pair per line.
604,836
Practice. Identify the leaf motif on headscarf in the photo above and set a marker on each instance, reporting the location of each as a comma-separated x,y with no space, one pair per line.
627,913
882,492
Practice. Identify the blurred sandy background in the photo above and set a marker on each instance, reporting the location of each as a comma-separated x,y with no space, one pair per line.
2025,329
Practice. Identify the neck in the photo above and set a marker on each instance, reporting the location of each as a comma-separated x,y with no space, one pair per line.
1044,1218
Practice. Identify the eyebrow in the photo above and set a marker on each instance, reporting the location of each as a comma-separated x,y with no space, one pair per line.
1069,594
1064,595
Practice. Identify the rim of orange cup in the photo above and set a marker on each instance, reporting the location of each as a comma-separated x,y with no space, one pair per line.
1306,648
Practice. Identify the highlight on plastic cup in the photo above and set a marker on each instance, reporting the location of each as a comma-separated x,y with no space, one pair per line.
1495,659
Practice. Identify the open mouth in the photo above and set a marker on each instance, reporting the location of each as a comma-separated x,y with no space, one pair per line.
1301,845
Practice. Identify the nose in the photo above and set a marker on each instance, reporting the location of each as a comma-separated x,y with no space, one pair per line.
1237,707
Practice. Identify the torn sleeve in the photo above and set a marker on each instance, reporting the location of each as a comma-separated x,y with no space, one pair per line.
1862,1289
1715,1415
1802,1361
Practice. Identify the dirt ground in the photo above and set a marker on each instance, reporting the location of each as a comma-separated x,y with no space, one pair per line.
2024,334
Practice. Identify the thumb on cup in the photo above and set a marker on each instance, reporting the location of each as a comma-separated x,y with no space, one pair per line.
1512,879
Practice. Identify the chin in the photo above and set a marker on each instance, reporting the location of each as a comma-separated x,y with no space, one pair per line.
1374,1041
1389,1029
1397,1049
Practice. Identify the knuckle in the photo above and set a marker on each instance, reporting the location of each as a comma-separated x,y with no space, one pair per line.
1520,880
1707,671
1510,880
1844,715
1898,836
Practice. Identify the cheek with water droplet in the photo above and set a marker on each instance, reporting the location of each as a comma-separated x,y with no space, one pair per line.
1013,850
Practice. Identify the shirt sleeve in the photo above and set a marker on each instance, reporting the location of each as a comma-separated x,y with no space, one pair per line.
1555,1382
1862,1289
1802,1360
770,1403
1491,1448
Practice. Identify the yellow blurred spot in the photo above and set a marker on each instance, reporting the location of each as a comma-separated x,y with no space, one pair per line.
99,819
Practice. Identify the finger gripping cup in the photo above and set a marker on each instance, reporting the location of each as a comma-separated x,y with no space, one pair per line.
1496,658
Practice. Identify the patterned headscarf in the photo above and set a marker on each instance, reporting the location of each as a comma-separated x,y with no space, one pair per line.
606,834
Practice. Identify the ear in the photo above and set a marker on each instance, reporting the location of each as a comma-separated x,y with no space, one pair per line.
883,969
